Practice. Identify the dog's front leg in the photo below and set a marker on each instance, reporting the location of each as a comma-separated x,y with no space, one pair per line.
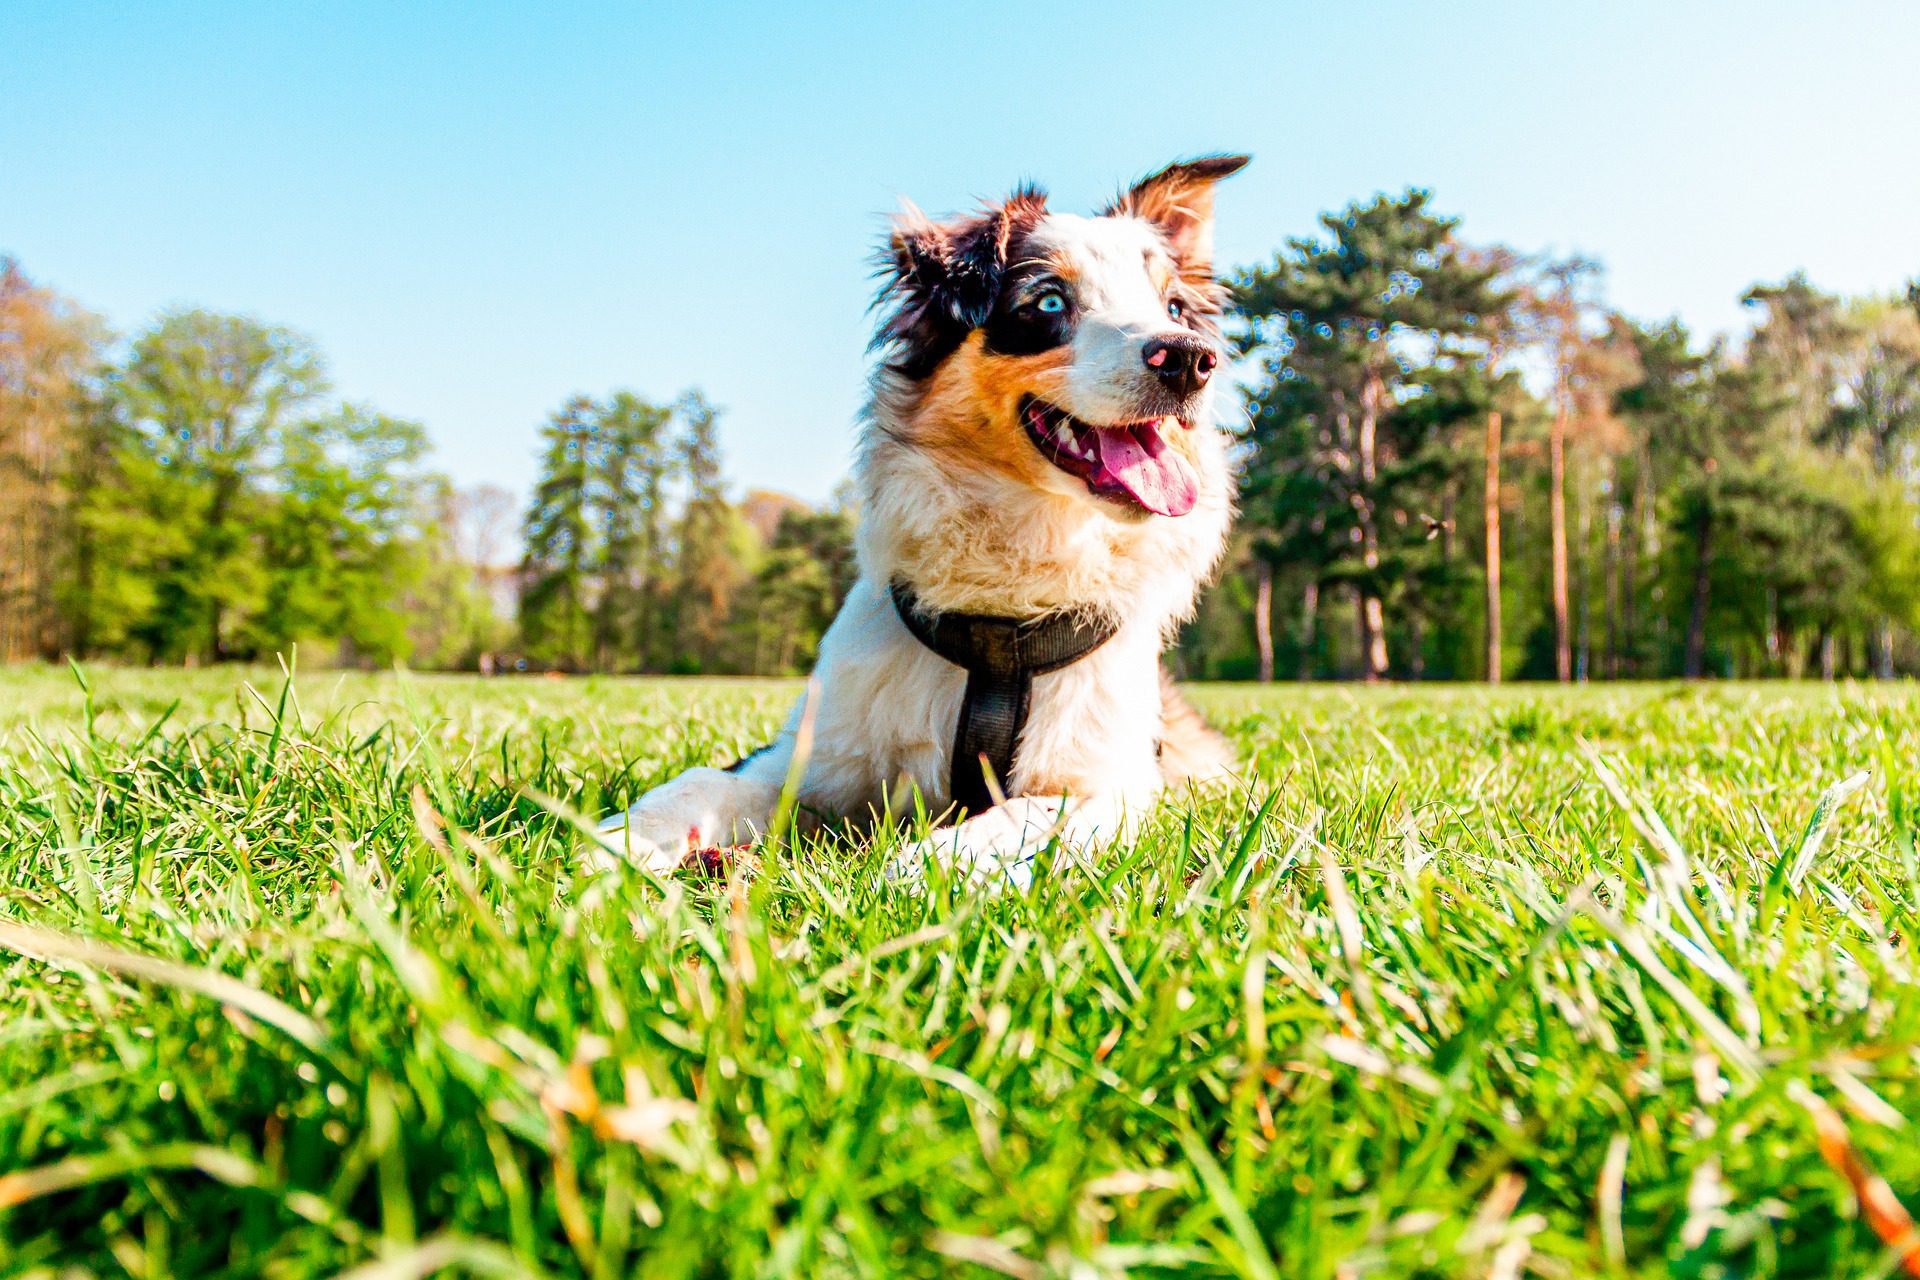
1000,845
700,809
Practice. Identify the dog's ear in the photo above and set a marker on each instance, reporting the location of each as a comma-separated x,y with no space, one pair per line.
1179,200
942,277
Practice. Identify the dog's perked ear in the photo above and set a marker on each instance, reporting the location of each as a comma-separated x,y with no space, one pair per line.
941,278
1179,200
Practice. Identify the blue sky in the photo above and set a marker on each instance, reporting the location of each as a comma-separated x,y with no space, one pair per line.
478,210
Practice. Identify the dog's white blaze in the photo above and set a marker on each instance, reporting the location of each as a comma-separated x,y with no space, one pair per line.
1121,309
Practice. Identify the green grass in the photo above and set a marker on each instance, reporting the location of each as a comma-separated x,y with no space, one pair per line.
1471,983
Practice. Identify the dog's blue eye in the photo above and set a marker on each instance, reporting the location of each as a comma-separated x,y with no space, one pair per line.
1174,308
1051,304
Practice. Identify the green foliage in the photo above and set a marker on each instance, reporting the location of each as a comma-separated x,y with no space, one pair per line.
634,465
562,546
1368,342
301,980
1726,511
615,579
346,543
208,396
708,572
796,590
216,515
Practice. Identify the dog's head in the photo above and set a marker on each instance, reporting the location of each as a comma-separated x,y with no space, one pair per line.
1066,354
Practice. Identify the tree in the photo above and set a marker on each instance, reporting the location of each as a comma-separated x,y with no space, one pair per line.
1343,324
1876,394
1796,347
630,471
1721,438
1590,357
559,537
708,570
49,366
1876,412
1501,330
797,589
824,536
782,606
1844,377
449,613
130,538
208,393
345,539
1664,410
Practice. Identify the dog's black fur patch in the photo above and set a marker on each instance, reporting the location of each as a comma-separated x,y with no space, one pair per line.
942,279
1016,326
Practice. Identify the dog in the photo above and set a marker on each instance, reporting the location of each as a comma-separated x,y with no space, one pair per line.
1043,491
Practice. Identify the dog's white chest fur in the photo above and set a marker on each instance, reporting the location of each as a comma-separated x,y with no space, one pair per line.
887,708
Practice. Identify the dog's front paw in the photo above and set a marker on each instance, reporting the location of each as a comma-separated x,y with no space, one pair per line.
985,865
622,842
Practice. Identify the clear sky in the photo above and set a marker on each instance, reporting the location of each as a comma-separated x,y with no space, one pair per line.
479,209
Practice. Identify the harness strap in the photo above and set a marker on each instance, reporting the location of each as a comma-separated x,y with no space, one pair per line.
1001,656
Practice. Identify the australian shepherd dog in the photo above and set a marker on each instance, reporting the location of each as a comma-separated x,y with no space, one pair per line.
1043,490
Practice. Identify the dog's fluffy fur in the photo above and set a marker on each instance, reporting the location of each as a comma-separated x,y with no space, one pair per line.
962,500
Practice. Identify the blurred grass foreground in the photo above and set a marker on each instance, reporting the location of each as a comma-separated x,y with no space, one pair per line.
305,977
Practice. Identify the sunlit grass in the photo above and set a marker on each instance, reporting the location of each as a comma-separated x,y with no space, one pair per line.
295,979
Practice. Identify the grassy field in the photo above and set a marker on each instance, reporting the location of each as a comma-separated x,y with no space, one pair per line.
297,980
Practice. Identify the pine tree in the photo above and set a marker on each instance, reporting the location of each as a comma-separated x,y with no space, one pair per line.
631,468
561,543
708,571
1353,316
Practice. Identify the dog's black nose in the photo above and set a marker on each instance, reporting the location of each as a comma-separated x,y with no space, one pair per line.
1182,362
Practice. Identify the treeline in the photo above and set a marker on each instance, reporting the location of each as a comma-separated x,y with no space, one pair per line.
1461,463
636,561
1457,462
200,497
197,495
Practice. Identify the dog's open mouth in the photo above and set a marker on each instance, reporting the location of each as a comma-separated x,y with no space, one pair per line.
1129,462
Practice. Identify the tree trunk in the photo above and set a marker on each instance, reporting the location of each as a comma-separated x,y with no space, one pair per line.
1883,650
1372,613
1580,556
1697,615
1557,507
1647,551
1633,547
1829,656
1492,501
1627,656
1263,620
1370,624
1610,569
1309,626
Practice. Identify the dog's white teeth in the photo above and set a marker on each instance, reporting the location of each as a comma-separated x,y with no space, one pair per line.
1063,437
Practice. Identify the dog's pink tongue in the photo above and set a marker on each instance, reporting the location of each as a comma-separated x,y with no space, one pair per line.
1138,460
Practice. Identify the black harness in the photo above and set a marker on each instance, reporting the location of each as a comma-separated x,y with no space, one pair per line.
1001,656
